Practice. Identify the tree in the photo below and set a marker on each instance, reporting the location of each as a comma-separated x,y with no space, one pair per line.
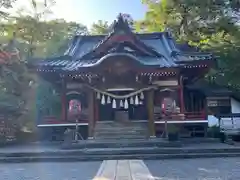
4,5
59,33
30,36
101,27
209,24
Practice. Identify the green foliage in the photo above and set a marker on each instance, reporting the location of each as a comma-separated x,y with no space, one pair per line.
39,38
4,5
101,27
14,83
211,25
48,99
31,36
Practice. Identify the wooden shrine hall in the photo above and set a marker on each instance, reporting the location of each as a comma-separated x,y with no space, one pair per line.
125,77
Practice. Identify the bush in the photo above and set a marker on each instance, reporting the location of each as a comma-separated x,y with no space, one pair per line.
173,132
214,132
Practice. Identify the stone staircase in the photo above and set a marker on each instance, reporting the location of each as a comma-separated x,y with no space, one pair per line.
120,130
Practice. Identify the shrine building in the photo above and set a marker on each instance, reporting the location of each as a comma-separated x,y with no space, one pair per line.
125,78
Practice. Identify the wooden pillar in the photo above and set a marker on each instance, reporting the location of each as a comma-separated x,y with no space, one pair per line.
181,96
96,110
64,101
150,106
90,114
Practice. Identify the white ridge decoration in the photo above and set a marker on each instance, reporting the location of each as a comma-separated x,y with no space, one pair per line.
114,105
142,95
126,104
103,100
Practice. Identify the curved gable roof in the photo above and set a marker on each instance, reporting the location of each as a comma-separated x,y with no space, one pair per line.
150,48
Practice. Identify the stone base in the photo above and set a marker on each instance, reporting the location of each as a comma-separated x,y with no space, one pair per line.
124,143
152,137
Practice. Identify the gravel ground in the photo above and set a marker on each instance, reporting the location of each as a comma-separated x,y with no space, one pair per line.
196,169
49,171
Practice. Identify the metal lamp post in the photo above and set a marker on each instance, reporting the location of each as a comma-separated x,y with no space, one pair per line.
75,109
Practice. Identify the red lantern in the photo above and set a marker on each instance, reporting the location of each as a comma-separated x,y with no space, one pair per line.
74,106
167,105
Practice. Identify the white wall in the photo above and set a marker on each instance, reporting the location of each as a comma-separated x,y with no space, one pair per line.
235,106
212,121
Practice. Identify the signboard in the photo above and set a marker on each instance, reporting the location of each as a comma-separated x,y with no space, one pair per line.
218,102
74,86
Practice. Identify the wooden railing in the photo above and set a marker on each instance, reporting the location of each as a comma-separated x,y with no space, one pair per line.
232,115
195,115
182,116
158,117
55,120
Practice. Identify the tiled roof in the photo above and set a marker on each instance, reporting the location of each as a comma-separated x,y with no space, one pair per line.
160,50
70,65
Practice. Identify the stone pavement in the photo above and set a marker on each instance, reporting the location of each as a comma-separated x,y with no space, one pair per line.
196,169
187,169
123,170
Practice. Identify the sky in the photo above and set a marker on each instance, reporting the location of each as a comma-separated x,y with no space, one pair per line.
89,11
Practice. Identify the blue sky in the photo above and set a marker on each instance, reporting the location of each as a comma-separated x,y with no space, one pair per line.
89,11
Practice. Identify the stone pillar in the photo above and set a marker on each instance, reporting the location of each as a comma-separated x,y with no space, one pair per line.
90,114
150,106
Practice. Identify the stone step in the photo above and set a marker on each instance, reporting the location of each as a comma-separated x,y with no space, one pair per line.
124,127
119,130
118,134
28,159
119,124
120,153
119,137
122,143
153,150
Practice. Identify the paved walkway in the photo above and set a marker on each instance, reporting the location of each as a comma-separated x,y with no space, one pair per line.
123,170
